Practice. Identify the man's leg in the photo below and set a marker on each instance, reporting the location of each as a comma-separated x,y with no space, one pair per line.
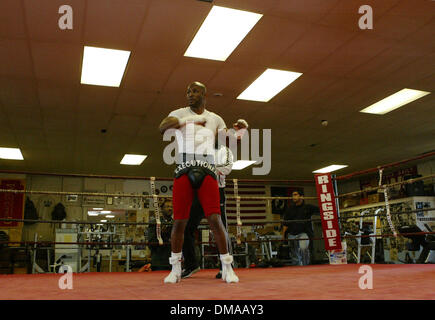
208,195
191,264
182,197
224,222
304,249
294,249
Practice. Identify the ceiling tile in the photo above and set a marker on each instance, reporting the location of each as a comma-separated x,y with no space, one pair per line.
124,125
60,62
315,46
353,54
425,84
303,89
233,79
148,72
412,72
418,39
92,123
388,61
8,140
269,38
158,36
98,99
31,138
134,103
190,70
54,96
12,19
16,58
404,24
18,92
114,24
65,122
305,11
257,6
23,119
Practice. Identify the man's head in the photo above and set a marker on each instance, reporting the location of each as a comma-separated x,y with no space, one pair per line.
297,197
196,94
167,208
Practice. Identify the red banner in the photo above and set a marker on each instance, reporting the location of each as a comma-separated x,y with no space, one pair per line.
328,211
11,204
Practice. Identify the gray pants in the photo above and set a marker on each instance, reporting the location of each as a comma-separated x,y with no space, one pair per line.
300,249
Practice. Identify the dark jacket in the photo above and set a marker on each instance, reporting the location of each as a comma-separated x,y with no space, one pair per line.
304,211
160,253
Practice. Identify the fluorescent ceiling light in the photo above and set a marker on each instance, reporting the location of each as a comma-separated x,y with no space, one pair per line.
395,101
98,208
268,85
110,216
106,211
11,154
242,164
99,224
103,67
103,220
221,32
330,168
92,213
133,159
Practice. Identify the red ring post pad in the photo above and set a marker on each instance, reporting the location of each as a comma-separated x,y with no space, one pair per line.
328,211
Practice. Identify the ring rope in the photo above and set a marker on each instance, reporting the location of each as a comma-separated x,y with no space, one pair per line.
125,195
387,205
206,224
384,189
212,242
388,185
238,217
156,210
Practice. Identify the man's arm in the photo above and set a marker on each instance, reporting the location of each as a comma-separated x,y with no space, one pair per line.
176,123
169,123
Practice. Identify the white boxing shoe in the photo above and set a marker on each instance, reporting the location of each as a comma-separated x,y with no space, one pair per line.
228,273
175,275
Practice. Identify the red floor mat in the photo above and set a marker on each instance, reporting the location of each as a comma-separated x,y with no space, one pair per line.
320,282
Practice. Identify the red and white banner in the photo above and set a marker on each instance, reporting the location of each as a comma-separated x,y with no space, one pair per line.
328,211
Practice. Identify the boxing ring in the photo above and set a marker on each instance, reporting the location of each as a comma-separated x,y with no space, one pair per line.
318,282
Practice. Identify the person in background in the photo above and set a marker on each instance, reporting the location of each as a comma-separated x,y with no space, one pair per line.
161,253
98,257
299,210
